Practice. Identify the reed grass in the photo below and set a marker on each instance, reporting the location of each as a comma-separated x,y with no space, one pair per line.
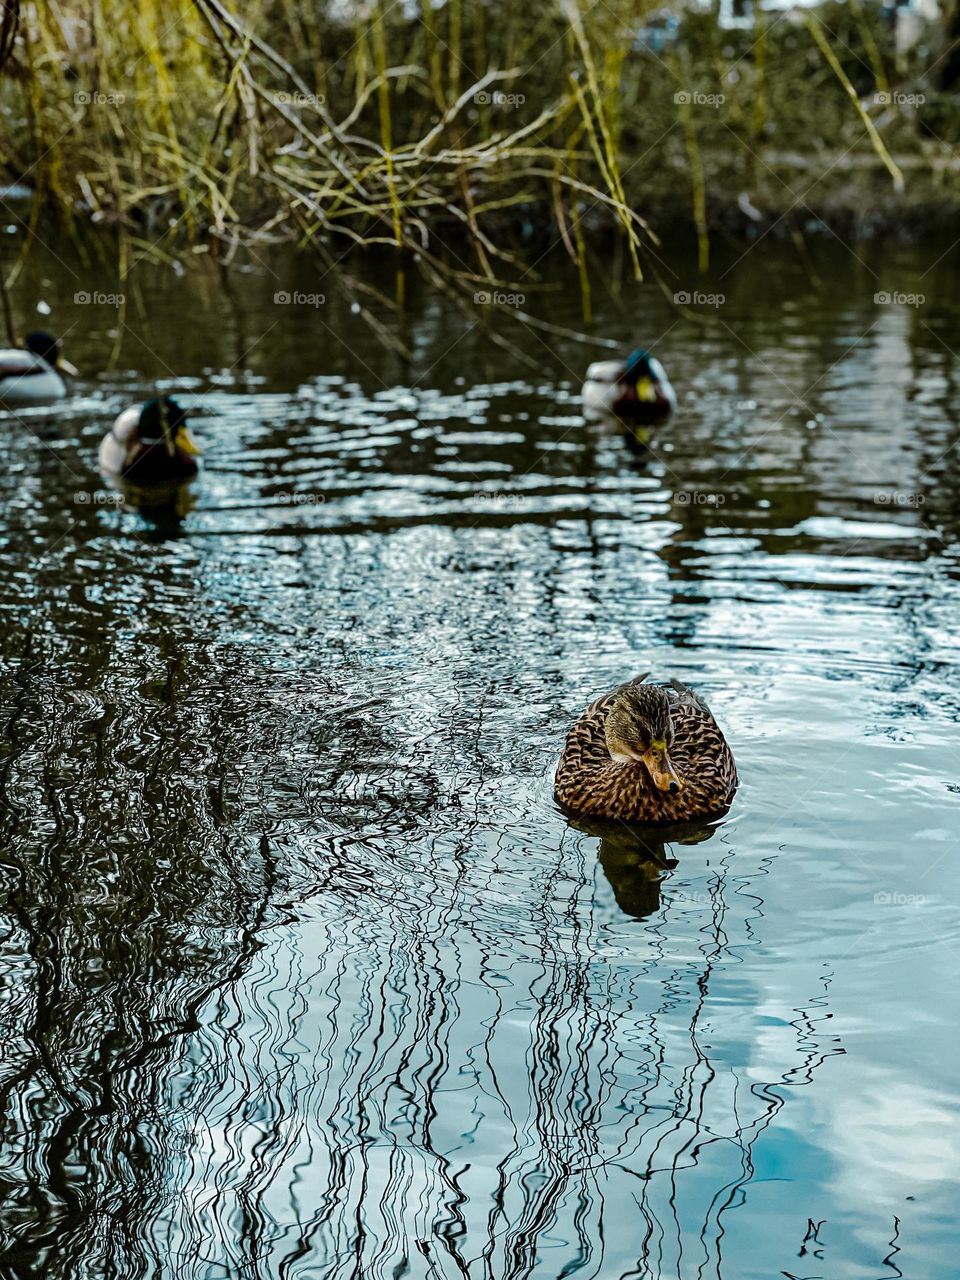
442,135
9,17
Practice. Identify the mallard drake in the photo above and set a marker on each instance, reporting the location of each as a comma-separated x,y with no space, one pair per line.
646,753
150,445
31,374
635,390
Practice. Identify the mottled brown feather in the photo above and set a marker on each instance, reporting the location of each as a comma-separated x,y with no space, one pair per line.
589,782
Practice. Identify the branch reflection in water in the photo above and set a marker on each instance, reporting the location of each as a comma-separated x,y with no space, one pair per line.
302,975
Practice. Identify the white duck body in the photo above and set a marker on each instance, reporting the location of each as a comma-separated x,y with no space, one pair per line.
601,388
116,443
26,379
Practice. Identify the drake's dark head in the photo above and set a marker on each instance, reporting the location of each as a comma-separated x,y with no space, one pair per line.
161,419
42,345
638,366
639,729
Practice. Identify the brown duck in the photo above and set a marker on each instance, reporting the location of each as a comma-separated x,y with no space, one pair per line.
647,753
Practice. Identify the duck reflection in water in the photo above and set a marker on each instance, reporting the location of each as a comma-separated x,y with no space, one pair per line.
163,506
636,860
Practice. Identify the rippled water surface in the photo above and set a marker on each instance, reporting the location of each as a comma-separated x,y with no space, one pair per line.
302,973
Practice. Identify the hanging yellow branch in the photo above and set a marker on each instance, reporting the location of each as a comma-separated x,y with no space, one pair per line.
842,76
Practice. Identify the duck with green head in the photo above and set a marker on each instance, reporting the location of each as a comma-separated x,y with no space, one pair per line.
150,445
636,390
647,753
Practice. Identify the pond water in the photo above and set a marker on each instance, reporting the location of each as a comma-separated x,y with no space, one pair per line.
302,972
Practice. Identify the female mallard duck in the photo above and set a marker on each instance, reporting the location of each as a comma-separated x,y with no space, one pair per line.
647,753
30,375
636,391
150,445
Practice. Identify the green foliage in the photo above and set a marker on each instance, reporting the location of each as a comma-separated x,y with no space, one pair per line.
189,118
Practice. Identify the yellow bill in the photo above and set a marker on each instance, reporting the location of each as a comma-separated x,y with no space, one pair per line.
645,390
186,442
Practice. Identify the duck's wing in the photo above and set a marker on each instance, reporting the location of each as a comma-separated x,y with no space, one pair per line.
628,683
687,698
608,371
126,425
15,363
666,387
699,745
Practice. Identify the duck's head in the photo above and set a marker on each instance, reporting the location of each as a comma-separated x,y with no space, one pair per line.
637,367
164,420
47,348
639,730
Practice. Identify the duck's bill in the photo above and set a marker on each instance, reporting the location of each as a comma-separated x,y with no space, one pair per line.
68,368
661,770
186,442
646,391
